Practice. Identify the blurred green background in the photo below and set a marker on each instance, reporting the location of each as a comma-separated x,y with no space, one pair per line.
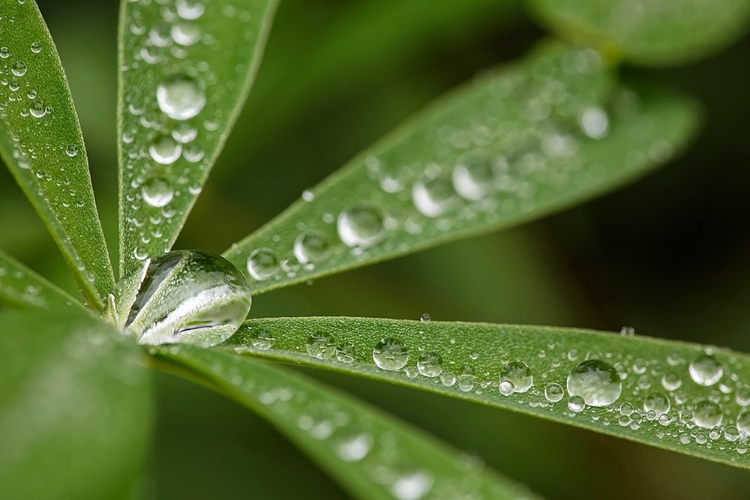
669,255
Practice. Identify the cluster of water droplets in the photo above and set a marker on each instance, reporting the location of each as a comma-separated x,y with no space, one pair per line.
171,116
16,282
698,398
509,148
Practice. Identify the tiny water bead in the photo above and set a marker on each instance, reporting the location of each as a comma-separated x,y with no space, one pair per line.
310,246
705,370
430,364
707,414
157,192
596,382
553,392
360,226
518,374
180,97
390,354
189,296
262,264
321,345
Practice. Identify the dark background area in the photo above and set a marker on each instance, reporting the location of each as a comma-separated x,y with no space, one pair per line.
669,255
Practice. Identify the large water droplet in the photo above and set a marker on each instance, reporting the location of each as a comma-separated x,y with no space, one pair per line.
262,264
157,192
707,414
430,364
434,196
390,354
518,374
597,382
180,97
189,296
360,226
705,370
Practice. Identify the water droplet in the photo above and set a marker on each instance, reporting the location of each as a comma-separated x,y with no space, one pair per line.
262,264
165,150
261,339
4,52
38,109
597,382
360,226
430,364
707,414
576,404
656,402
553,392
742,396
157,192
184,133
425,318
71,150
627,331
189,296
390,354
411,486
193,153
594,123
345,353
310,246
705,370
36,47
18,68
190,9
434,196
743,422
321,345
185,34
506,387
180,97
447,379
353,446
671,381
473,176
518,374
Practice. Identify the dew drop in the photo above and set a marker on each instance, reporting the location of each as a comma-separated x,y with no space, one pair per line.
180,97
189,297
38,109
430,364
411,486
360,226
656,402
345,353
447,379
705,370
473,176
185,34
4,52
434,196
310,246
18,68
190,9
353,446
597,382
506,387
261,339
165,150
742,396
594,123
518,374
36,47
707,414
71,150
184,133
390,354
321,345
553,392
576,404
157,192
743,422
262,264
671,381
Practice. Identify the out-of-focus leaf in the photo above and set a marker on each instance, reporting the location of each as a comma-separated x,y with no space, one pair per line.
22,287
683,397
653,32
371,455
537,137
74,408
41,143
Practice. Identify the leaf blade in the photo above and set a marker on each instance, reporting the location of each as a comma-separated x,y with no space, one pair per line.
413,465
170,63
408,183
551,354
42,145
73,404
22,287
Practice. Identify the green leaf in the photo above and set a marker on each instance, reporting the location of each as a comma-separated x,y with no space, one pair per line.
503,150
22,287
74,408
660,403
184,75
657,32
41,143
372,455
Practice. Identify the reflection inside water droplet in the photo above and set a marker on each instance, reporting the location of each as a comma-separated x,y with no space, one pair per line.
597,382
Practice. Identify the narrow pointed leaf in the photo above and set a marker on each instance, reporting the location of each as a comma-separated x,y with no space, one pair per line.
534,138
22,287
372,455
657,32
678,396
41,143
74,408
185,70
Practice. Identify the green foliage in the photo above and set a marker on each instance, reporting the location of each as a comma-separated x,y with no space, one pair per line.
654,32
470,361
21,287
74,408
370,454
41,143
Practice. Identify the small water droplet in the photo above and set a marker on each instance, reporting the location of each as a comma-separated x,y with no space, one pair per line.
434,196
18,68
352,445
518,374
4,52
261,339
742,396
506,387
594,123
190,9
185,34
705,370
360,226
345,353
473,176
157,192
430,364
707,414
576,404
262,264
447,379
38,109
321,345
165,150
597,382
743,422
310,246
36,47
671,381
189,296
425,318
71,150
390,354
184,133
180,97
553,392
656,402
